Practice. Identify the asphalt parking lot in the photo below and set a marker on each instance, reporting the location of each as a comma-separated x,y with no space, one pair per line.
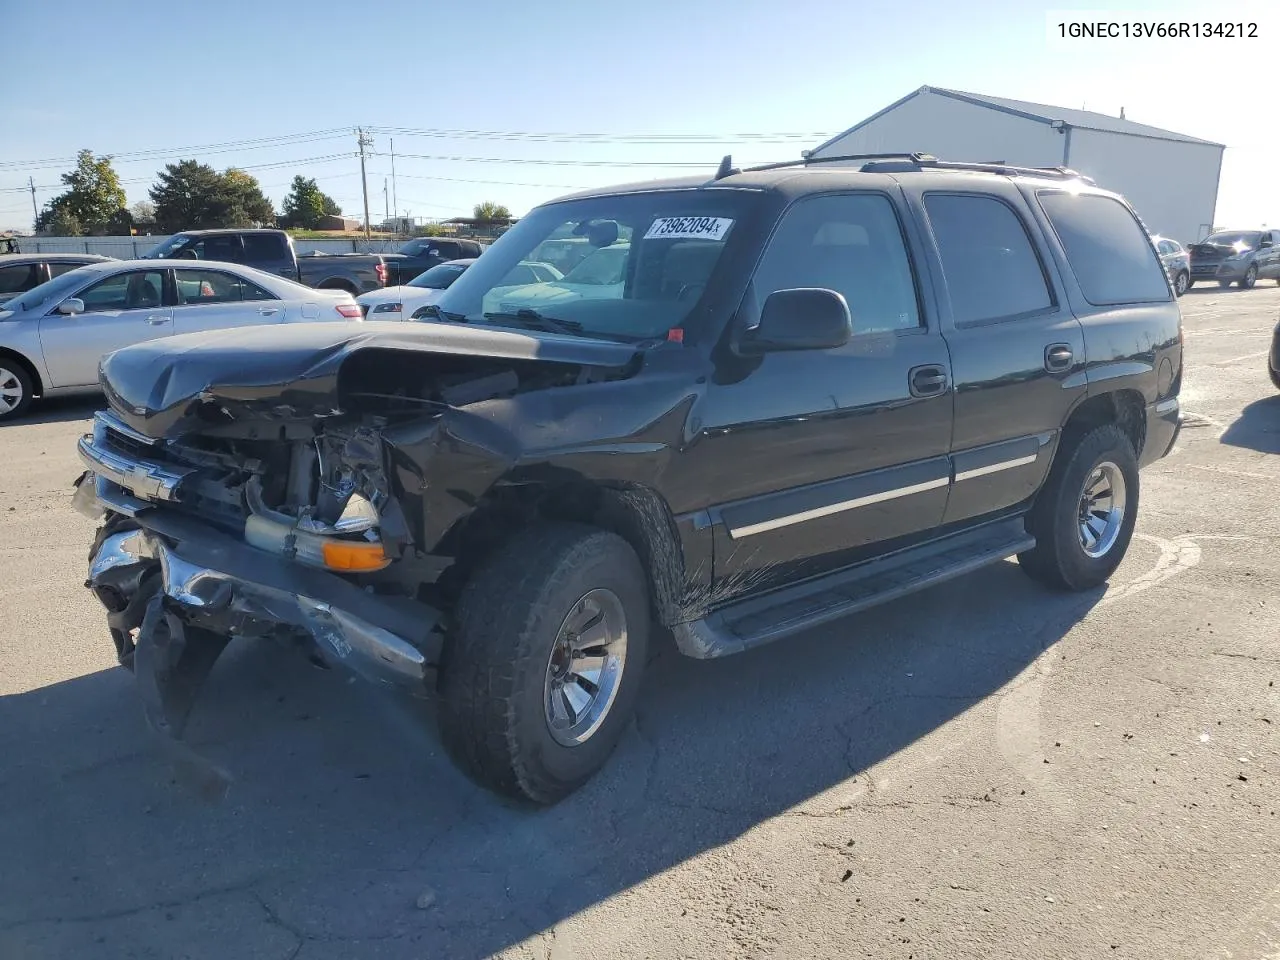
984,770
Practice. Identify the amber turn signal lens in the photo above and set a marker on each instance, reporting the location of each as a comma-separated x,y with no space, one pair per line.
355,557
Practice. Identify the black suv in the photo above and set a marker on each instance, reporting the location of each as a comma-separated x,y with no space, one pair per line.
815,387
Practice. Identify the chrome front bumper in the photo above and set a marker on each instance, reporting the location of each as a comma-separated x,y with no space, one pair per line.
230,602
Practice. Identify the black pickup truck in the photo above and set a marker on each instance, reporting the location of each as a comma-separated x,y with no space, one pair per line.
271,251
817,387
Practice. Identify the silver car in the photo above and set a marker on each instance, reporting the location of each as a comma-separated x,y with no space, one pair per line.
52,336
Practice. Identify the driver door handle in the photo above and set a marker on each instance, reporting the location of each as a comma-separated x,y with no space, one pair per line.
156,319
268,311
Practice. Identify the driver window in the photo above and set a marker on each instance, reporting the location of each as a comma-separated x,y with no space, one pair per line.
850,243
125,291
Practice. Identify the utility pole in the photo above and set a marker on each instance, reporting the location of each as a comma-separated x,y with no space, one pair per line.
394,206
386,200
364,141
35,211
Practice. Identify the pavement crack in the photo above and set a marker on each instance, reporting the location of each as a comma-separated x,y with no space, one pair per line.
244,886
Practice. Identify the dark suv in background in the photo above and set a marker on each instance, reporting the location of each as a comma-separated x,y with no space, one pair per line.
1237,256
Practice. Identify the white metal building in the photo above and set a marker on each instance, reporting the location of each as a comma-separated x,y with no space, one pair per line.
1170,178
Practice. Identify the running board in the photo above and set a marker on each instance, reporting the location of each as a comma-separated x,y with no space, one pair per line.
780,613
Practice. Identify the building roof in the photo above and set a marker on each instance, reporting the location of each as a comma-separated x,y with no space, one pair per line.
1040,113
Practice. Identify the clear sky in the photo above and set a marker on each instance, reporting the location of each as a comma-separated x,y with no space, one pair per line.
163,79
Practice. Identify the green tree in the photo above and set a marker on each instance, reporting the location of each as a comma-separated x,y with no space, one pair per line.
92,198
58,221
491,212
306,205
194,196
249,205
144,211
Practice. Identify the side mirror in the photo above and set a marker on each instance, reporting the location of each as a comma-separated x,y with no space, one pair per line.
71,306
804,318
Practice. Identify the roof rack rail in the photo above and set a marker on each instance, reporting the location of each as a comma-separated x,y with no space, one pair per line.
901,162
805,160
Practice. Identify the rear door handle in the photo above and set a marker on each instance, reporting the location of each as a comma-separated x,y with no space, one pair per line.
1058,357
154,320
927,381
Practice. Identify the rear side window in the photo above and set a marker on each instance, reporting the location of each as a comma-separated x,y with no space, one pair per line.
18,278
1109,252
850,243
58,267
261,247
991,269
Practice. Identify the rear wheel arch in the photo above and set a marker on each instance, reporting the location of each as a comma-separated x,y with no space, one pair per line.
1125,408
338,283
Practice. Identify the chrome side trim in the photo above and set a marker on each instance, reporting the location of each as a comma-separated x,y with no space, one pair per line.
997,467
766,525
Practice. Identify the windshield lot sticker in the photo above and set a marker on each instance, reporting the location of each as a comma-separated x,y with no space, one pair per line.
682,228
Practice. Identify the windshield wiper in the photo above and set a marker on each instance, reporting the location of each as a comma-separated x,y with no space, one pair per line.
431,310
534,320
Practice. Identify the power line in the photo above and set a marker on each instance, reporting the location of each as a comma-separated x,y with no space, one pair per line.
697,164
226,146
634,138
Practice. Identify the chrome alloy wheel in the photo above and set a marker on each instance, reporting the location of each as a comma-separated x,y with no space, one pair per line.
1101,513
584,672
10,391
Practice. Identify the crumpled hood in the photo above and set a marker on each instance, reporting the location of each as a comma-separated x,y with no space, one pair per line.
291,370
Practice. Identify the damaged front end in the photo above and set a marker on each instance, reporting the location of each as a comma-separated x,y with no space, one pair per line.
220,537
298,488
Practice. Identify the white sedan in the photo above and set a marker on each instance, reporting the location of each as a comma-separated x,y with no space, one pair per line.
406,302
52,336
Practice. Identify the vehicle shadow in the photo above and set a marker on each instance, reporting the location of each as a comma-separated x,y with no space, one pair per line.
1257,427
346,822
58,410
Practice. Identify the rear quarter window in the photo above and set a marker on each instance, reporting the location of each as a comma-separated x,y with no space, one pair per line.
1108,251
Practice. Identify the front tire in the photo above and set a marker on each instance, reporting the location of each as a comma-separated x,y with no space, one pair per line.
15,389
1249,279
1083,518
541,672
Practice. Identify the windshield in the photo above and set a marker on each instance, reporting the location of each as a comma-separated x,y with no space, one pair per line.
438,277
51,292
648,260
163,250
1236,238
415,247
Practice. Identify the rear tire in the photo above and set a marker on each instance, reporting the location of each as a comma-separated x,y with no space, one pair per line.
557,599
16,389
1181,283
1088,466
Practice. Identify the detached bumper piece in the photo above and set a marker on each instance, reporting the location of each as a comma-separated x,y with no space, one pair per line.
176,591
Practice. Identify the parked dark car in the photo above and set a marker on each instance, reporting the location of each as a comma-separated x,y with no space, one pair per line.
421,254
20,272
813,392
1237,256
1177,263
271,251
